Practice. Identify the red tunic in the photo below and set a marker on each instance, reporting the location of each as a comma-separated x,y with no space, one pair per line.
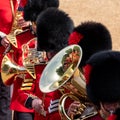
21,96
48,98
22,39
6,20
6,17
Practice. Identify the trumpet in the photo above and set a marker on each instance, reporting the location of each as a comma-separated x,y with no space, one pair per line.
64,66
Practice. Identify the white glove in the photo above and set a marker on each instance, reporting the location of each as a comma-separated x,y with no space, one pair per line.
38,106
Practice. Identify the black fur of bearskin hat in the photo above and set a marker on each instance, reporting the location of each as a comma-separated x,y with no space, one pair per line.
53,29
34,7
92,37
117,113
102,73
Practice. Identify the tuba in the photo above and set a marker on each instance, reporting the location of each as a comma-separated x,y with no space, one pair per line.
62,73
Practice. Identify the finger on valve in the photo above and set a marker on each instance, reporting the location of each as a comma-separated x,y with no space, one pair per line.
73,108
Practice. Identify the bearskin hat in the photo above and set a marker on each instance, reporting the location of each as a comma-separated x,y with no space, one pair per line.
102,73
34,7
92,37
53,29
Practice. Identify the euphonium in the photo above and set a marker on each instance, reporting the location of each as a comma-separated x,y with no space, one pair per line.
62,72
60,69
78,93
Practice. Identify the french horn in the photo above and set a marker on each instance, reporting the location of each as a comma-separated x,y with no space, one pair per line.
62,72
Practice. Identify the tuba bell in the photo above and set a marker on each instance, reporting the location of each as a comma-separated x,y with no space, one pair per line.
54,71
62,72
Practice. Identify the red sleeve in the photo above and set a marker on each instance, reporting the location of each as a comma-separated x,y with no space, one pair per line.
26,93
6,18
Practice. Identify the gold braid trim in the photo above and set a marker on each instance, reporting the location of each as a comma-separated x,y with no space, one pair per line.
27,84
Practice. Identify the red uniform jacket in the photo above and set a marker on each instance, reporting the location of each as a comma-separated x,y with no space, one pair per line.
49,98
6,22
22,39
23,90
6,19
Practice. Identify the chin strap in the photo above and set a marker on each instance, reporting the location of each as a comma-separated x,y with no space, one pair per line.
112,115
115,115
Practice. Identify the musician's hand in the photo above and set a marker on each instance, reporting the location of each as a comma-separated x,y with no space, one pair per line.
22,23
72,110
37,105
5,42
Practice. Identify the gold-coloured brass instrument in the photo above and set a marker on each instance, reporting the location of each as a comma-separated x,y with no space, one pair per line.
62,72
86,109
78,93
30,58
54,76
9,69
